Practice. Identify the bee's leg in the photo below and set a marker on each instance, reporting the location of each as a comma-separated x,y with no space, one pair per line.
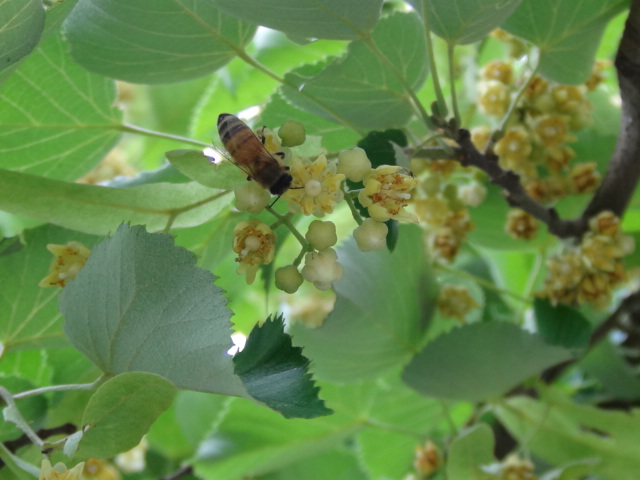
249,178
280,154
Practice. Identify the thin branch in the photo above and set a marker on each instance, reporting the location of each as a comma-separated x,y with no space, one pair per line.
181,472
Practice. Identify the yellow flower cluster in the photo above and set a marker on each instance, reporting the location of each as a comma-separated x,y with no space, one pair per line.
68,261
520,225
588,272
535,143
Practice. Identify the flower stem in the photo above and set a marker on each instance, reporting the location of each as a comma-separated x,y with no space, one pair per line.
442,104
286,221
165,136
352,206
452,82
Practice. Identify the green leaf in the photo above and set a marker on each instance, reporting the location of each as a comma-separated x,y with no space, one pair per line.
403,416
199,167
460,22
567,32
561,325
338,464
365,87
275,372
99,210
479,361
606,363
379,146
560,431
141,304
324,19
56,119
20,29
469,452
253,440
121,411
384,303
154,41
29,316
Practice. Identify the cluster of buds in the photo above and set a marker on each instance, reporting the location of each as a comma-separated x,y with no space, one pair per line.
588,272
455,301
535,142
428,459
318,186
442,208
512,468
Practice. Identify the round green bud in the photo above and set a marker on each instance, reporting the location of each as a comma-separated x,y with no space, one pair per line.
354,164
321,235
288,279
450,192
292,133
251,197
371,235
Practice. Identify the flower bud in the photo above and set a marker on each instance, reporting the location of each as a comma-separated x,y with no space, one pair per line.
251,197
371,235
322,268
292,133
288,279
321,235
473,194
354,164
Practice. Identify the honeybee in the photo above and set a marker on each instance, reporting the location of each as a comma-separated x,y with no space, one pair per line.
248,153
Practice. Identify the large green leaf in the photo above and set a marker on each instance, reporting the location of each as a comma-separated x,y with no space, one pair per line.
252,440
460,22
560,431
29,316
121,411
141,304
56,119
479,361
21,24
385,301
154,41
99,210
606,363
365,86
275,372
324,19
567,32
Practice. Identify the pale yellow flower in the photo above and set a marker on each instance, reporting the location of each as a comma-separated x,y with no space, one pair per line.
68,261
96,469
386,193
315,187
455,301
255,244
59,471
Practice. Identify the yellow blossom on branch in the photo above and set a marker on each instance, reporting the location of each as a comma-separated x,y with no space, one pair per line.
68,261
386,193
255,244
316,187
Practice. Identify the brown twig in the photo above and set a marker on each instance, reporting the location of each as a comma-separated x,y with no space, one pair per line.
181,472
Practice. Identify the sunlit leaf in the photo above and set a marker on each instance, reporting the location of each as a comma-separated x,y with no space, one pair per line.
469,452
567,32
325,19
154,41
99,210
366,87
56,119
121,411
141,304
460,22
385,301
